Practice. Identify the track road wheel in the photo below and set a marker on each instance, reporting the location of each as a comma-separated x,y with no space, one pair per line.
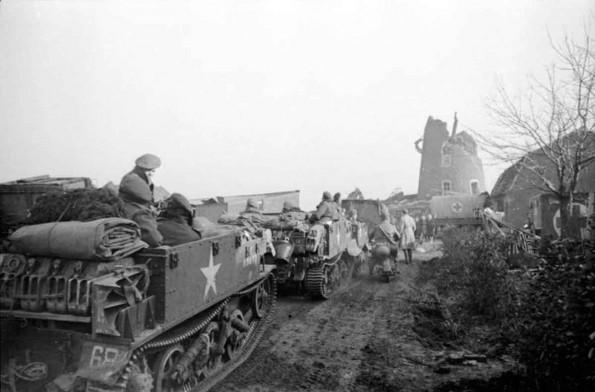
164,366
214,360
260,298
234,343
140,379
344,269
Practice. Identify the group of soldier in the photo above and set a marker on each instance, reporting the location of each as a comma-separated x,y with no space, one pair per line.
174,224
396,236
329,209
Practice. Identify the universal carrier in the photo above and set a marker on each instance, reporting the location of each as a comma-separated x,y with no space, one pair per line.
163,319
317,258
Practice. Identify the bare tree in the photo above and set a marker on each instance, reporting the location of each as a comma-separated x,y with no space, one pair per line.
549,133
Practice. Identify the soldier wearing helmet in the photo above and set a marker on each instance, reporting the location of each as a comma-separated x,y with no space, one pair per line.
385,232
291,212
136,190
326,210
385,238
253,213
352,215
175,221
337,203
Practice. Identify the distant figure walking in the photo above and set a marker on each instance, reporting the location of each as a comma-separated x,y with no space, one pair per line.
431,227
423,232
529,226
406,231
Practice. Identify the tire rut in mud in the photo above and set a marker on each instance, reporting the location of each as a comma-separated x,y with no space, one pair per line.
312,345
361,339
382,353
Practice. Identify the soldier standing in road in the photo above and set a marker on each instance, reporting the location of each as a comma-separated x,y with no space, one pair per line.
529,226
423,232
431,227
406,230
136,190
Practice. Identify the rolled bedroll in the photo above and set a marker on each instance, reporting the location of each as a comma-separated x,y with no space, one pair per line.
105,239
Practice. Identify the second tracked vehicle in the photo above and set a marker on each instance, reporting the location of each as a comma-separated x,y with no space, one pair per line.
316,259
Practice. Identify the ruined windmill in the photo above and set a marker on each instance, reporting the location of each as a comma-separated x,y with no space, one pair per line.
449,163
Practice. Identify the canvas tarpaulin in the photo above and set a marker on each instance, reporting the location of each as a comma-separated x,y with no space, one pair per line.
102,239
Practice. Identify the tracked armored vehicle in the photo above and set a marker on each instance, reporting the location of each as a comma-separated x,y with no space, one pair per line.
163,319
316,259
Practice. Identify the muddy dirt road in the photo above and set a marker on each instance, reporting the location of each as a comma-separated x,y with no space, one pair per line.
362,339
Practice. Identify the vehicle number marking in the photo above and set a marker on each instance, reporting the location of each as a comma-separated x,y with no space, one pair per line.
102,356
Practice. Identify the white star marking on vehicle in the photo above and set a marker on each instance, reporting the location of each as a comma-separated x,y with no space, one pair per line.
210,273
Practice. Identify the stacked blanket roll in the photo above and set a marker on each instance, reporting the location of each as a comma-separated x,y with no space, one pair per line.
105,239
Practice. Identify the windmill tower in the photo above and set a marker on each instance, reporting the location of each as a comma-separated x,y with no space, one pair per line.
449,163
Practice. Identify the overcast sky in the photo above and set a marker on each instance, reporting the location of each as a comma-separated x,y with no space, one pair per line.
241,97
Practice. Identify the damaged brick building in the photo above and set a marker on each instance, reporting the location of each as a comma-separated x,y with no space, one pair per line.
449,162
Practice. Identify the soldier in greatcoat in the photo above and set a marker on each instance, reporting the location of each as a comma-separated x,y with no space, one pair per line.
406,228
136,190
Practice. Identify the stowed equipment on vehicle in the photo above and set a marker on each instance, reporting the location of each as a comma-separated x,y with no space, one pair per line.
317,258
161,319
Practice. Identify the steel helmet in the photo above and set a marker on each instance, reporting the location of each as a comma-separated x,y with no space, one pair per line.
251,203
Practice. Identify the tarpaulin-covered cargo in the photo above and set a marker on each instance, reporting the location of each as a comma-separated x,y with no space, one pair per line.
102,239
